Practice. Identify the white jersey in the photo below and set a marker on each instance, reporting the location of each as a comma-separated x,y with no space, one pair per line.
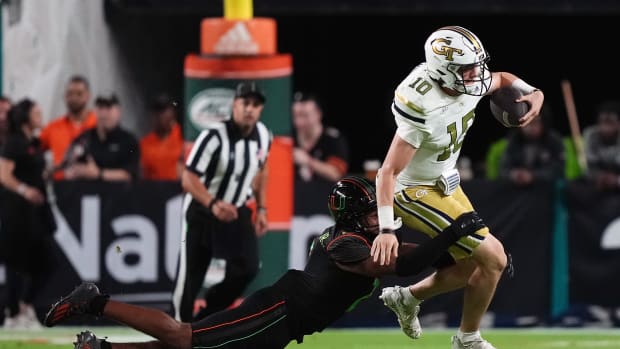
433,122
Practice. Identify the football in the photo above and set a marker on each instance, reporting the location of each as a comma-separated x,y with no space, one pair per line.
505,109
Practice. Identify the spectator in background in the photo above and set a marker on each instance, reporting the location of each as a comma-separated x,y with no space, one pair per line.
320,152
602,147
106,152
533,153
27,220
58,134
162,149
5,106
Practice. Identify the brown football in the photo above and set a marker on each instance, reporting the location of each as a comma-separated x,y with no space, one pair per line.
505,109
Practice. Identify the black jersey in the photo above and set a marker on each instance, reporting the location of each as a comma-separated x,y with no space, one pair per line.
322,292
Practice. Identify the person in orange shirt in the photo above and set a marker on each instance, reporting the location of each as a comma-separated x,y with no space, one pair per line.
58,134
162,148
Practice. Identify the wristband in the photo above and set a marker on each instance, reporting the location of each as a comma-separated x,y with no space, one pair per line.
524,87
387,231
213,202
261,209
386,217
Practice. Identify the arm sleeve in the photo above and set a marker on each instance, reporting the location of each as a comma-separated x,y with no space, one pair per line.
424,255
348,248
202,152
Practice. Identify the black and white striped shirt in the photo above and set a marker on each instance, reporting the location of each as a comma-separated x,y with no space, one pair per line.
227,162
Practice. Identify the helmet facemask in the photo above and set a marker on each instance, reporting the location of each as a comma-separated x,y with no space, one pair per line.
473,79
350,202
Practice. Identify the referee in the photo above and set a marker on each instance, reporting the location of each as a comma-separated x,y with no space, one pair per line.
225,168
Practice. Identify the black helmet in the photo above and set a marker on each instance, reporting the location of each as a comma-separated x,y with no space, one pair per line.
350,199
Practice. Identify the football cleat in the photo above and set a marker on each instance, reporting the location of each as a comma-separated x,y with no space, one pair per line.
87,340
477,343
76,303
406,308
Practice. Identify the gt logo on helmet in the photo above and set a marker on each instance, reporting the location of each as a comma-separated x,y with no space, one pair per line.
445,50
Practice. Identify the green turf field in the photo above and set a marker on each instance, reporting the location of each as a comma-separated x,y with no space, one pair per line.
355,339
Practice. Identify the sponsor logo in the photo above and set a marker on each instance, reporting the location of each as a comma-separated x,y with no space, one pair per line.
237,40
210,105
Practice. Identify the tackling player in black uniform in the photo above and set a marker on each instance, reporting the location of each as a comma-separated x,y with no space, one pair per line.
338,275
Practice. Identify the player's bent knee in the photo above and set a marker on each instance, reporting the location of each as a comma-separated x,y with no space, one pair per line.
490,255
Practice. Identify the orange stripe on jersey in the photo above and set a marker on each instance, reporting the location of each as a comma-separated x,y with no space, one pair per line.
242,319
348,235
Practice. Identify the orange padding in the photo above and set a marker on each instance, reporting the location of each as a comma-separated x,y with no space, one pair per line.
247,67
280,184
220,36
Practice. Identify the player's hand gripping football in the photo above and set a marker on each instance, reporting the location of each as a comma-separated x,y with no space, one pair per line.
535,100
384,248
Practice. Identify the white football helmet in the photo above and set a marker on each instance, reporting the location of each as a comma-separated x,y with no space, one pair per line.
451,52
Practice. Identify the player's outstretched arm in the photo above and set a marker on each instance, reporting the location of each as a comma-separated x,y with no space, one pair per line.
385,246
414,259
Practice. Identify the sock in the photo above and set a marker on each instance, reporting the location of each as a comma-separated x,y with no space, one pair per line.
105,345
467,336
409,297
97,304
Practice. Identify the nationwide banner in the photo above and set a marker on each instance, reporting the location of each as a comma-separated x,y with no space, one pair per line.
126,238
123,237
594,245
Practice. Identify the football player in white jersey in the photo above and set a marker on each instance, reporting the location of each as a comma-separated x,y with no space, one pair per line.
418,181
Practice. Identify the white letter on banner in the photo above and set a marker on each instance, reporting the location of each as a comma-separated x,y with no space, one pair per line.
302,228
173,235
83,257
144,246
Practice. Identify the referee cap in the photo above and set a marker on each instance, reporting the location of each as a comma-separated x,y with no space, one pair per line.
249,89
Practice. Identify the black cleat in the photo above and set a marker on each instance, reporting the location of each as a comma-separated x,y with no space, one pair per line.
87,340
76,303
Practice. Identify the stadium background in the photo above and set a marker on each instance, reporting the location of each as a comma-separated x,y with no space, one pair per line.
352,53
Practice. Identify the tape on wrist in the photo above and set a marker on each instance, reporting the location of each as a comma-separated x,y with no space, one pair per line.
524,86
386,217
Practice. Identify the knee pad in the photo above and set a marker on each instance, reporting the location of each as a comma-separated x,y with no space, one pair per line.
466,224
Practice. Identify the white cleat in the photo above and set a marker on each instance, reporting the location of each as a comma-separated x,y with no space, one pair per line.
477,343
401,301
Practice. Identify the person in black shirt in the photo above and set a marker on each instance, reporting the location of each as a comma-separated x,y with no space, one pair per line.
534,153
339,274
27,220
321,153
106,152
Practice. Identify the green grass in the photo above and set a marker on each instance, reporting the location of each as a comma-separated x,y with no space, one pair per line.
353,339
